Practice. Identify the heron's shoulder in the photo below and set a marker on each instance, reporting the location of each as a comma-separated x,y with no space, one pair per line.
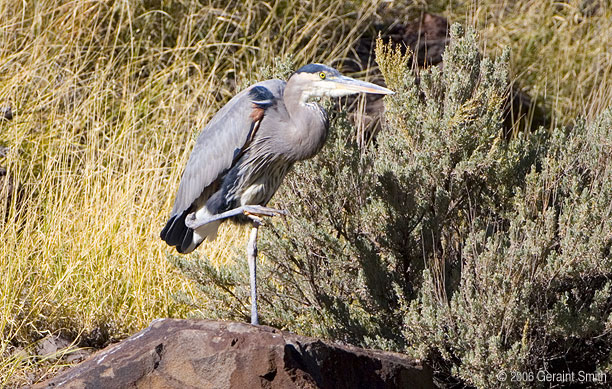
274,87
264,93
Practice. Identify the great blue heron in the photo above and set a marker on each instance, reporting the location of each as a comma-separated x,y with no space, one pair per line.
245,151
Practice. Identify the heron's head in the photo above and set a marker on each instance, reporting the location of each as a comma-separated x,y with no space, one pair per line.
316,80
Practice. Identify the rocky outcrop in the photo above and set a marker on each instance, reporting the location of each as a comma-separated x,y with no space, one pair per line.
6,182
6,113
212,354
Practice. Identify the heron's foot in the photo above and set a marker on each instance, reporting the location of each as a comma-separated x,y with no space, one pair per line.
253,212
259,211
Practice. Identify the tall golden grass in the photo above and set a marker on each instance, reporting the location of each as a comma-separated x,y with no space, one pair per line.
108,98
561,51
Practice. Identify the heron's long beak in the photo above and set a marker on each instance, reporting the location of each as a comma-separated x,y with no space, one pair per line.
352,85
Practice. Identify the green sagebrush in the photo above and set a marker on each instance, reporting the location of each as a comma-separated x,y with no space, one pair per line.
444,237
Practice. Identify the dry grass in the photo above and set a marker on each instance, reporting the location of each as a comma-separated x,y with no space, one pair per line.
561,51
108,97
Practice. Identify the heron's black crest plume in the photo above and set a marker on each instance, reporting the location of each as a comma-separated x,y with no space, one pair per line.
314,68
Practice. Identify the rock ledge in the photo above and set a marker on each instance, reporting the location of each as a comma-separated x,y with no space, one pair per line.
173,353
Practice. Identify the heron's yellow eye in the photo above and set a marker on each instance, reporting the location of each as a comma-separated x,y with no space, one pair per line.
322,75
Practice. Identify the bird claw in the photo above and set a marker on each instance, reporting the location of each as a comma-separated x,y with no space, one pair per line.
257,212
254,218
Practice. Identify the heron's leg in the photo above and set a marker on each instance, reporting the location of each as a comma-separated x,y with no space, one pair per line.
249,210
252,259
253,212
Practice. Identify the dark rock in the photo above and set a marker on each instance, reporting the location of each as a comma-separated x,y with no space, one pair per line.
6,113
6,183
50,347
211,354
426,37
522,112
10,191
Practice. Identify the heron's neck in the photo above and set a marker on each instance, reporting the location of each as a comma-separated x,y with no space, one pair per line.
309,130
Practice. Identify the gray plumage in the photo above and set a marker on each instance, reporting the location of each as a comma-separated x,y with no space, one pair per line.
244,152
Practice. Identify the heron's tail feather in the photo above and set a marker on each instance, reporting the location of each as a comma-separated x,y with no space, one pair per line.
175,229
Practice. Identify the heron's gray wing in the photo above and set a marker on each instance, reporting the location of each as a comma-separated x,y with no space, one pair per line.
222,140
